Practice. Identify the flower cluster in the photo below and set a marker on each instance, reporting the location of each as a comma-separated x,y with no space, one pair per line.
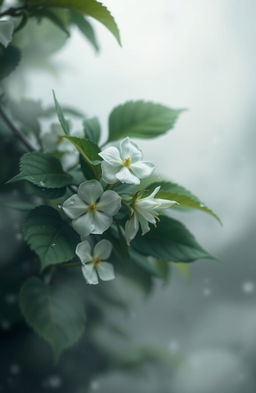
94,207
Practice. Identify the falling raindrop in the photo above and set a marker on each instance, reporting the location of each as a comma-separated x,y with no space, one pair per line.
18,236
248,287
94,385
10,298
14,369
173,346
54,382
5,325
207,291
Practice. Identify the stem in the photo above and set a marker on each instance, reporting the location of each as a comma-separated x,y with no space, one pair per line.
69,264
13,11
15,130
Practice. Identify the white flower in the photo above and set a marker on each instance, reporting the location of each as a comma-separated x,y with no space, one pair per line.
124,164
6,31
94,264
92,208
145,211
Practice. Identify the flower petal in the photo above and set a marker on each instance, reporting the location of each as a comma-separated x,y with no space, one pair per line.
102,249
90,191
125,176
74,207
142,169
109,203
164,203
100,222
105,271
109,172
111,155
84,225
90,274
131,228
144,225
83,251
130,149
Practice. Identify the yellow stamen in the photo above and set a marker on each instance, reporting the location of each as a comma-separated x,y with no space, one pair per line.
127,162
96,260
92,208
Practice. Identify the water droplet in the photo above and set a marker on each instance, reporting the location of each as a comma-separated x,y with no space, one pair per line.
10,298
5,325
248,287
53,244
71,202
59,206
14,369
42,183
207,292
202,205
94,385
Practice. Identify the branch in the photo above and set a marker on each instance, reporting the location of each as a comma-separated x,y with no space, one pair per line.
15,130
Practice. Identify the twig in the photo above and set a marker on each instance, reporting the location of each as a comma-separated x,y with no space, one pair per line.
15,130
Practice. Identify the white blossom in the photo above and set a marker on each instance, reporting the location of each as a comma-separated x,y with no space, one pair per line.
6,31
94,262
92,209
145,211
124,164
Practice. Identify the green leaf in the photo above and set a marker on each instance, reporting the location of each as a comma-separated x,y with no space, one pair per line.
141,119
61,117
9,60
53,16
86,29
170,241
52,239
92,129
43,170
89,152
185,198
21,205
56,313
91,8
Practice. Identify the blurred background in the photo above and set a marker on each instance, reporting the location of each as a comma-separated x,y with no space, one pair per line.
198,55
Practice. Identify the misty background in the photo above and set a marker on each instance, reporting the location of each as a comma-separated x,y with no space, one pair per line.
198,55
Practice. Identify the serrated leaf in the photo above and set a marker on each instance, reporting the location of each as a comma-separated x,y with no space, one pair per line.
85,28
63,122
43,170
52,239
56,313
92,129
91,8
170,241
89,152
141,119
185,198
9,60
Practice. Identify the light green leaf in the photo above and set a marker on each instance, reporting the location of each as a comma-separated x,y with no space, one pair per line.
86,29
52,239
141,119
92,129
89,152
9,60
185,198
55,312
91,8
43,170
61,117
170,241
